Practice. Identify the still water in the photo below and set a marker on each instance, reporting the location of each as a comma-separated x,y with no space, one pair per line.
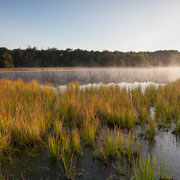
90,75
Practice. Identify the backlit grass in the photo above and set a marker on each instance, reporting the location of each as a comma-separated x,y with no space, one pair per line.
104,120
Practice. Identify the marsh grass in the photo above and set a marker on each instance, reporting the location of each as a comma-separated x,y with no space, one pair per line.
102,118
88,131
62,150
149,130
149,169
54,146
4,144
146,170
76,141
58,128
68,162
115,143
25,111
143,114
122,166
110,144
167,107
177,128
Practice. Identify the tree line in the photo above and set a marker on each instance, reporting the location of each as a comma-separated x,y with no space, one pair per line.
32,57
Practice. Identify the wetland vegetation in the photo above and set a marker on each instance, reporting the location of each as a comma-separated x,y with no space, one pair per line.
107,123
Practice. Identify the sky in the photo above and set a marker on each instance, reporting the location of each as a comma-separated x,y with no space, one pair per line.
123,25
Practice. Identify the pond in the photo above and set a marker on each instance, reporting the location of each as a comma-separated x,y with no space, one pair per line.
96,75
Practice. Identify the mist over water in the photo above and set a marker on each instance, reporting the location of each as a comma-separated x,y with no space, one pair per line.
95,75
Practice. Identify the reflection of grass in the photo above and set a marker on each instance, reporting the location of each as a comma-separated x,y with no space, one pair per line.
69,122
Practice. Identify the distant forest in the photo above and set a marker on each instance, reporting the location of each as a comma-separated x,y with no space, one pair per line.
32,57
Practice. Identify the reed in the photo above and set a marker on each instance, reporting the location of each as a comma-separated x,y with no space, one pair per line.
152,130
68,165
76,141
54,146
149,130
132,147
150,170
177,128
58,129
114,144
146,170
89,130
143,115
110,144
60,148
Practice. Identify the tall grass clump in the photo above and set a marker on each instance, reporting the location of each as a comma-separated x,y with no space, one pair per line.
25,109
177,128
150,170
116,107
89,130
115,143
76,140
144,98
143,101
63,146
146,169
69,104
62,150
110,144
54,145
149,130
132,147
4,137
168,104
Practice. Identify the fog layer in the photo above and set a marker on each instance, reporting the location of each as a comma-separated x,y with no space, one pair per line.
102,75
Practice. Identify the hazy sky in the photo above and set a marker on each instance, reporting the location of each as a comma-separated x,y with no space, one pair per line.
125,25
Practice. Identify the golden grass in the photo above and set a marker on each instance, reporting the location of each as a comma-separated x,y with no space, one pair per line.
29,112
25,111
67,122
115,143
